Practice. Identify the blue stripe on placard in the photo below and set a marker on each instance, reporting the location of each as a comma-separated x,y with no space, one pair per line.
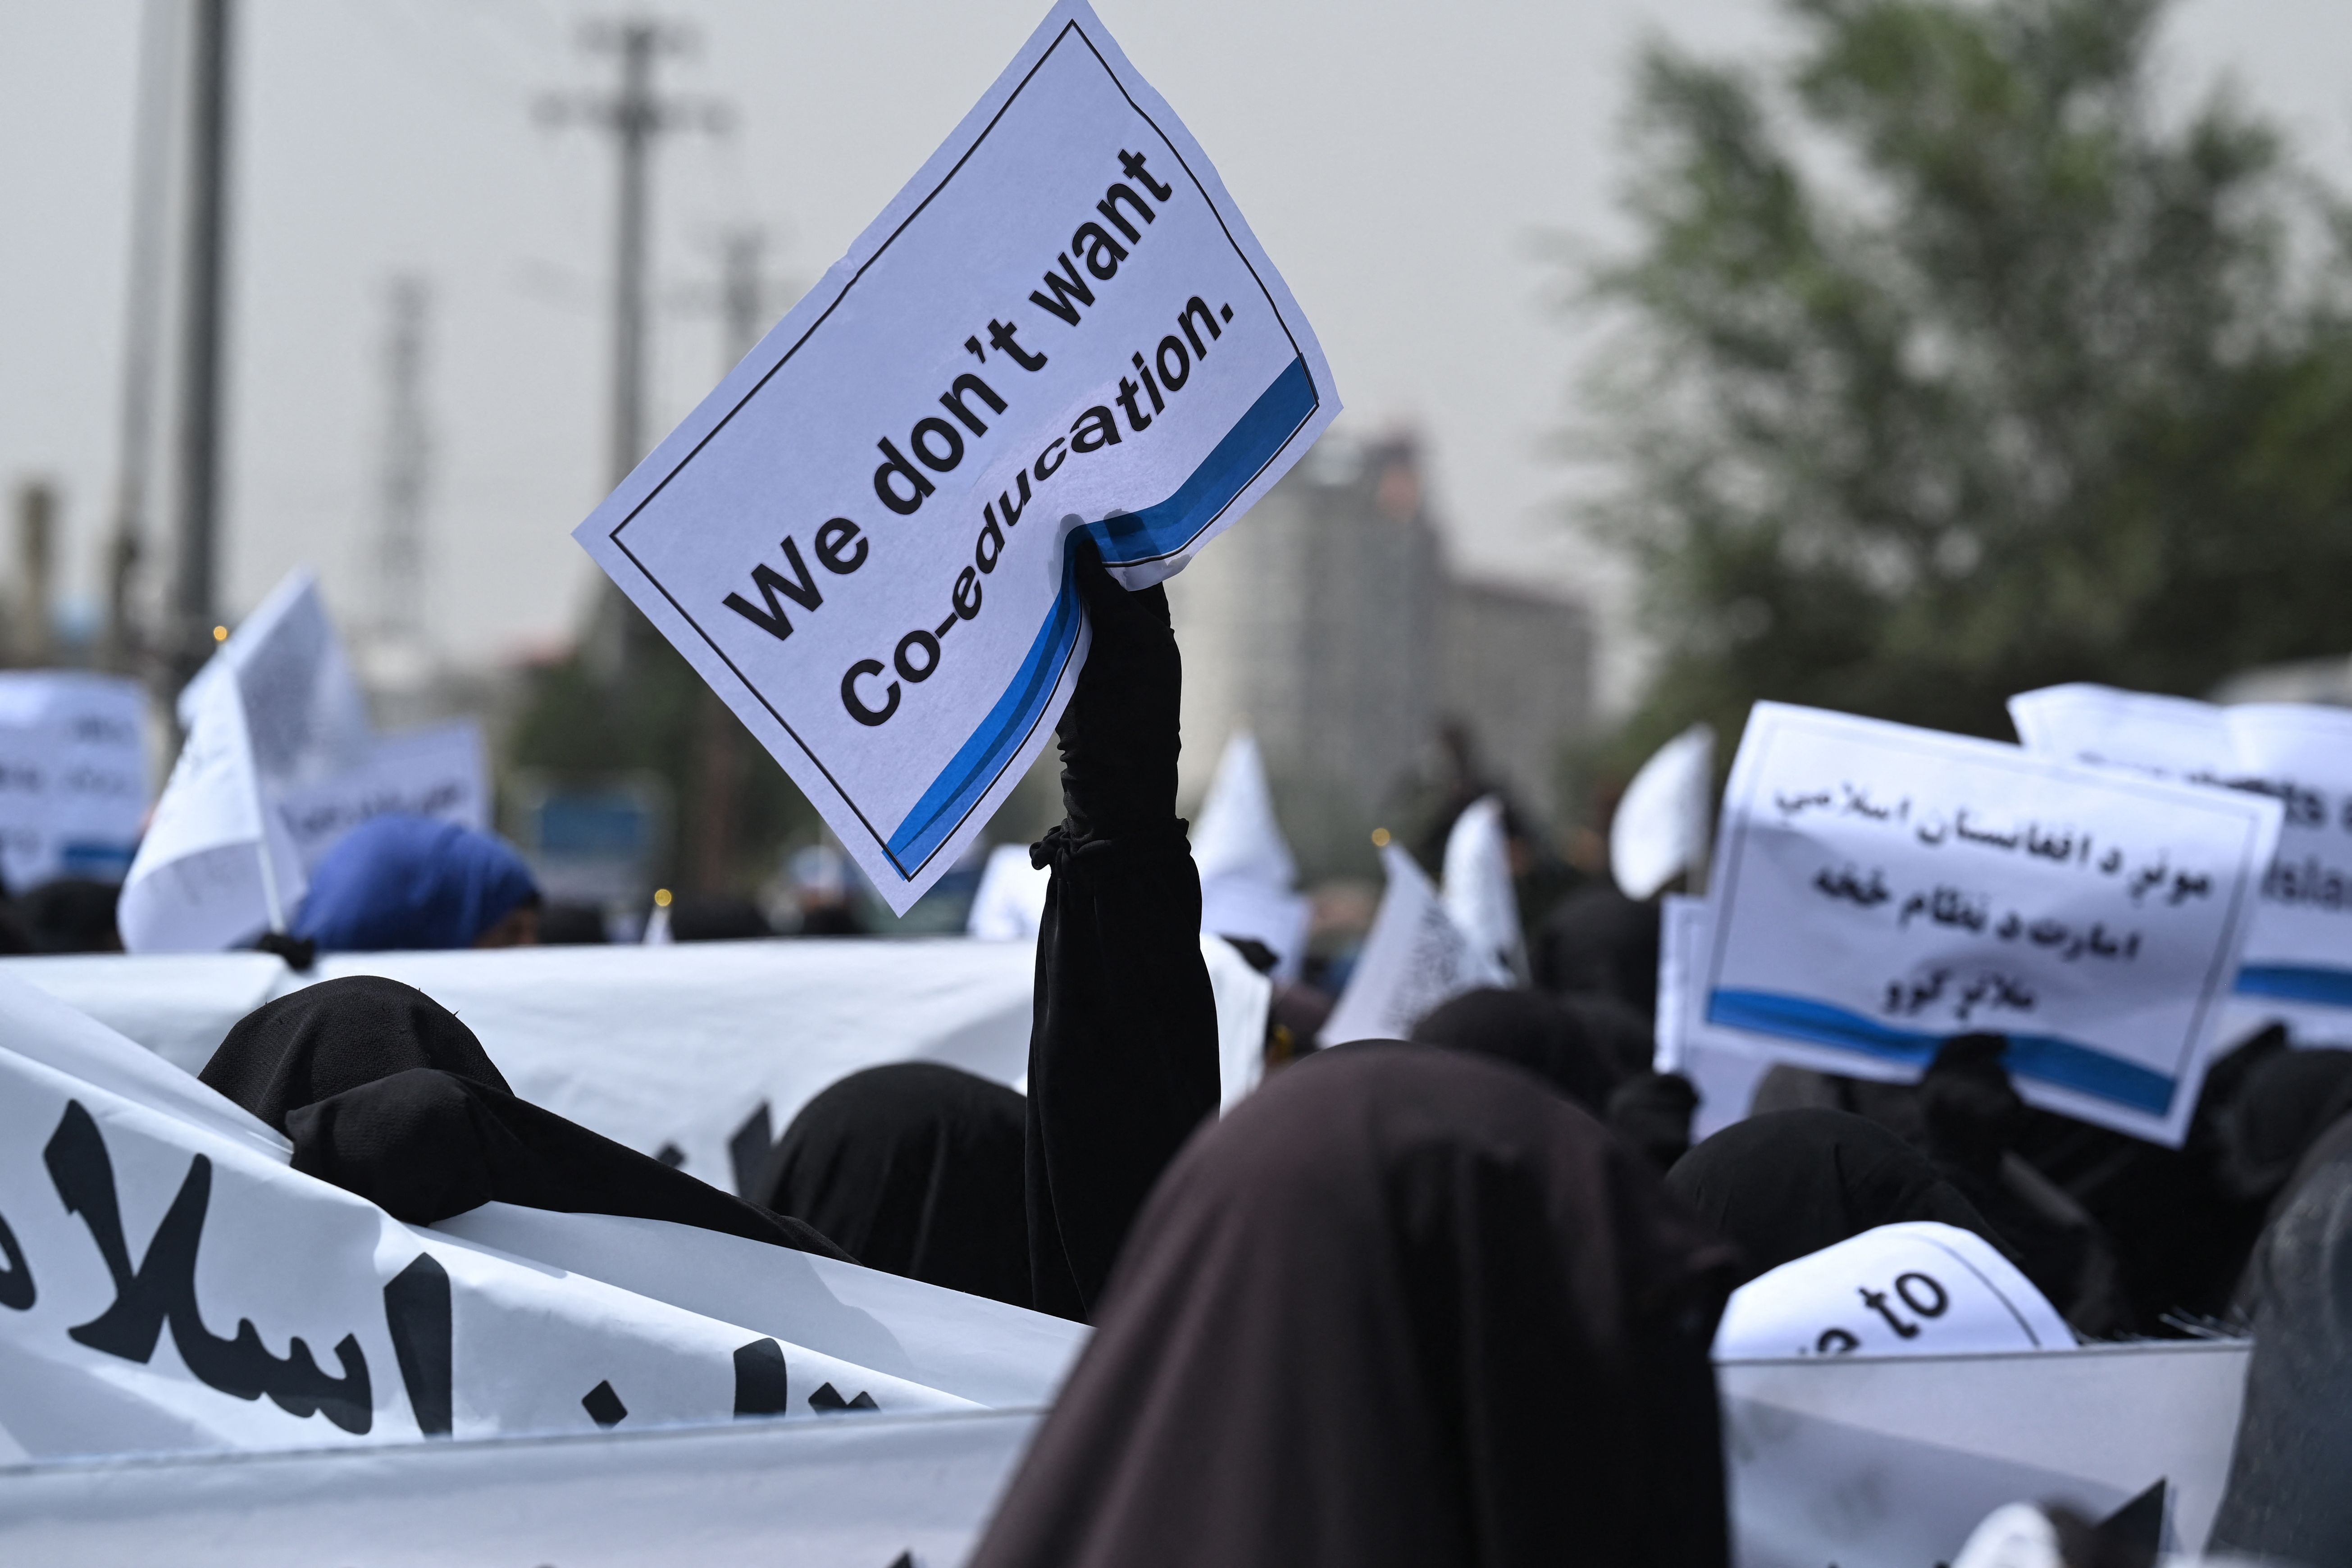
1147,535
1249,445
2297,983
2064,1063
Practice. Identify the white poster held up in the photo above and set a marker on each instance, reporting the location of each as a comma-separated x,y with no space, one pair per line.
861,539
1414,959
2298,957
1914,1289
1878,889
73,774
441,772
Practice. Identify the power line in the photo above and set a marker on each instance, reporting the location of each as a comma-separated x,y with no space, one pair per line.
634,116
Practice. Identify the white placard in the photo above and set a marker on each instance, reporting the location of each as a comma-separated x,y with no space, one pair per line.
861,538
439,772
1878,889
2298,956
1914,1289
73,775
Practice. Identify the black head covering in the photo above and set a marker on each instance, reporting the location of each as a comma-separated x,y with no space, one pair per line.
1394,1310
1529,1031
1624,1037
717,917
73,914
385,1093
1793,1182
1652,1112
1597,940
339,1035
916,1169
2286,1100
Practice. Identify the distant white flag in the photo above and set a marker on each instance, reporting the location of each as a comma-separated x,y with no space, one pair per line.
304,711
211,874
278,735
1248,879
1414,958
1479,892
1661,826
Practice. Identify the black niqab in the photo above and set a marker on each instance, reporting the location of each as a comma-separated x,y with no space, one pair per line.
1597,941
1398,1308
386,1094
916,1168
1791,1183
1529,1031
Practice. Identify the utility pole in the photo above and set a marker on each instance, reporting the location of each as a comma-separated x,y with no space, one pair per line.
713,856
399,629
203,281
122,647
634,116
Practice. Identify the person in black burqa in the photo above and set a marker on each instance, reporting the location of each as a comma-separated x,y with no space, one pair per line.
916,1168
1790,1182
1123,1042
1402,1306
385,1093
2287,1499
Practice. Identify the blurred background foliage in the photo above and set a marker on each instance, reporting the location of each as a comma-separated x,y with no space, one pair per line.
1952,365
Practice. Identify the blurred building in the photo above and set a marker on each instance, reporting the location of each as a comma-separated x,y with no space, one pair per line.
1329,625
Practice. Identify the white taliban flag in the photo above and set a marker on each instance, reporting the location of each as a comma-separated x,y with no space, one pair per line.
211,874
1415,958
1479,893
1248,879
1660,828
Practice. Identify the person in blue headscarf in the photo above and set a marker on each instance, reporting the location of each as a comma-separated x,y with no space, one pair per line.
399,882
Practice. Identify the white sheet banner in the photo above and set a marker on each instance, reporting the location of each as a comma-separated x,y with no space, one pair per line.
699,1052
167,1284
1892,1461
861,537
1879,888
73,774
2298,957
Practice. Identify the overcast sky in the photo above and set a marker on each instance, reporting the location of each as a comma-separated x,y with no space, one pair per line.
1397,160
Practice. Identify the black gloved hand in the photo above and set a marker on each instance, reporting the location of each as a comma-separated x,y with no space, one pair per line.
1119,733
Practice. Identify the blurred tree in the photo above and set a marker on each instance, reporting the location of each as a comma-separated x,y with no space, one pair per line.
1953,366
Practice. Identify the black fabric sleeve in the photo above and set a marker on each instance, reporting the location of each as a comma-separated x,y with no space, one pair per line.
425,1145
1123,1045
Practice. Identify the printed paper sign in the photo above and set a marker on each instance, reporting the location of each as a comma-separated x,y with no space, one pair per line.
439,772
2298,958
1914,1289
73,775
1880,888
861,539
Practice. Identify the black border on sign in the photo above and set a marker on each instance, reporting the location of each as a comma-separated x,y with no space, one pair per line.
881,840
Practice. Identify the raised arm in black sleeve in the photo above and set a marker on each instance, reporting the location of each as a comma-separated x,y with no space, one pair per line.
1123,1049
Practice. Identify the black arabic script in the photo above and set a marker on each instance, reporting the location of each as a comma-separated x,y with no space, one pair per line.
162,1289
